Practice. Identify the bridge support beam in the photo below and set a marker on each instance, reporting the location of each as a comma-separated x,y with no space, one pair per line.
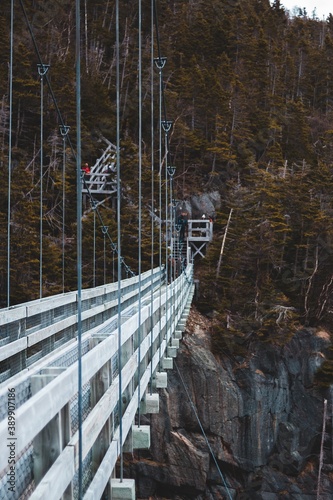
171,351
123,490
178,334
167,363
150,404
175,343
160,380
141,437
128,445
181,325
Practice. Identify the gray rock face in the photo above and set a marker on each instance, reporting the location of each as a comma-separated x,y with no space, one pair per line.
261,419
207,204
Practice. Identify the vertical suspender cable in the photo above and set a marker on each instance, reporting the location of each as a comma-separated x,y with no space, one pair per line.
94,244
41,190
160,206
63,210
104,258
119,244
152,186
79,236
64,129
112,265
166,234
166,126
171,172
171,228
10,146
159,62
140,208
171,256
104,230
42,69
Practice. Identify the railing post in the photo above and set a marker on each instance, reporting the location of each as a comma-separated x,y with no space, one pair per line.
99,384
50,442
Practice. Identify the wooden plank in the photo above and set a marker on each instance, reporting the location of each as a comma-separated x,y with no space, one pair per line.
92,293
91,428
46,360
59,476
13,314
99,385
56,327
38,410
96,419
36,413
43,305
8,350
56,480
103,474
49,443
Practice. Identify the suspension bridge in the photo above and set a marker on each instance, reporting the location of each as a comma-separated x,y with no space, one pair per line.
79,369
125,357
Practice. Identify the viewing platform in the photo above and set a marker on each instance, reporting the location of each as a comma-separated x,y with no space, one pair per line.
199,234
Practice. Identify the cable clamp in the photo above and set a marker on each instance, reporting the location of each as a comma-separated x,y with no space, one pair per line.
64,129
166,125
160,62
42,69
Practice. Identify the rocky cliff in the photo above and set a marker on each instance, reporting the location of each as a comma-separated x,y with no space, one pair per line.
241,429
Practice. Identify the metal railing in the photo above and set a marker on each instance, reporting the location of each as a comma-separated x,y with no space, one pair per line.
30,331
39,404
200,230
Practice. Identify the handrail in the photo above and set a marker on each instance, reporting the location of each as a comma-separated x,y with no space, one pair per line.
200,229
44,324
159,315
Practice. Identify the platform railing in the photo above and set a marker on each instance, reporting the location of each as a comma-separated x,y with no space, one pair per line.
200,230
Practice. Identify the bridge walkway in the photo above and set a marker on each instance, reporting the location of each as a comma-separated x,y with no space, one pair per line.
39,435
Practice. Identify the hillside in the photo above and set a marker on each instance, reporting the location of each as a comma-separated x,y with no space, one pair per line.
249,90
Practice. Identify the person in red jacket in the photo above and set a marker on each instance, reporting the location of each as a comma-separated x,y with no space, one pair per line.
86,170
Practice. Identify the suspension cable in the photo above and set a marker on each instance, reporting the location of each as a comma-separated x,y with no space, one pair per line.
10,146
166,125
159,64
166,232
113,246
127,268
140,202
163,103
203,431
120,387
46,77
42,70
152,190
63,131
79,241
94,244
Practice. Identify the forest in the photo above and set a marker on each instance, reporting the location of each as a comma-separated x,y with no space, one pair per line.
249,88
